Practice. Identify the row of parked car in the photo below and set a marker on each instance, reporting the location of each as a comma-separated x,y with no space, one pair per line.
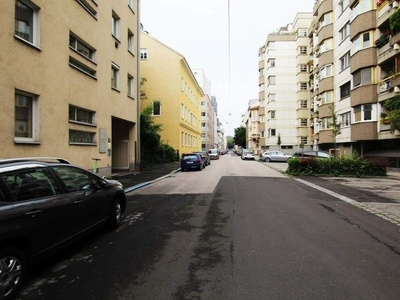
275,156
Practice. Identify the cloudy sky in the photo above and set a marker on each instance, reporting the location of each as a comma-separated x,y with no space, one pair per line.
198,29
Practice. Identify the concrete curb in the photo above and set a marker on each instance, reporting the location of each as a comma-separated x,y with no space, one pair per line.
140,185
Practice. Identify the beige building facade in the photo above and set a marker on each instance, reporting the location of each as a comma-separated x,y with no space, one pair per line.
173,92
69,85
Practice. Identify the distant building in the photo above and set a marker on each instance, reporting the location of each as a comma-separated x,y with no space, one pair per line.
174,94
69,81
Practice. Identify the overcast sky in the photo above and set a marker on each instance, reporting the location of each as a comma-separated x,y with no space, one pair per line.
198,29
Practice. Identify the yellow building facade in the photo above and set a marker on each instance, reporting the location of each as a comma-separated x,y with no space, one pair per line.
174,94
69,84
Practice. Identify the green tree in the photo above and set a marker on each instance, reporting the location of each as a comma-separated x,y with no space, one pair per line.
240,137
230,143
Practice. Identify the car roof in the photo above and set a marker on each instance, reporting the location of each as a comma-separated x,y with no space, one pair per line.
15,164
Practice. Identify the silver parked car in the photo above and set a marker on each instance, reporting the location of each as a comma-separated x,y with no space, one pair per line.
247,154
275,156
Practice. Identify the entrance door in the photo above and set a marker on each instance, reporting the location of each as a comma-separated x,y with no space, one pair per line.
120,155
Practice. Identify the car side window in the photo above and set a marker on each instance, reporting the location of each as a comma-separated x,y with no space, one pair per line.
74,179
31,184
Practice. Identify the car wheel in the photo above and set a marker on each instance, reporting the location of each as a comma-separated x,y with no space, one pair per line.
13,267
267,159
115,214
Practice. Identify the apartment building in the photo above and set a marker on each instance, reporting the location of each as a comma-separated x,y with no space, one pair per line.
208,115
173,92
355,62
284,88
252,127
69,81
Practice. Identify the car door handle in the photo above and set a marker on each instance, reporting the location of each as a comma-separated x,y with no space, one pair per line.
78,201
33,212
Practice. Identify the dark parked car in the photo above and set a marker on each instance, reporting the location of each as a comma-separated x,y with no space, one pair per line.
44,204
206,158
190,161
311,154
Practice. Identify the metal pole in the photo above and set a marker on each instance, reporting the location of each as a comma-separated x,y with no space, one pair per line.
138,87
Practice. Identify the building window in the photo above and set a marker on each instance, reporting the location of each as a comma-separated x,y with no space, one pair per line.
362,77
272,132
272,62
271,80
156,108
81,47
81,137
303,103
326,45
362,41
303,122
143,53
88,7
303,68
130,4
325,20
25,116
303,140
345,119
326,97
303,86
271,97
81,115
115,25
345,32
130,86
302,32
115,76
81,67
345,90
130,41
363,113
303,50
26,21
345,61
272,113
326,123
326,71
343,5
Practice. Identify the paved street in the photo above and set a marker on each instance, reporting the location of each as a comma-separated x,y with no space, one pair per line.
236,230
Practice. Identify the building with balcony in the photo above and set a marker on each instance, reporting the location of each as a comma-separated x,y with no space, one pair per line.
174,94
69,85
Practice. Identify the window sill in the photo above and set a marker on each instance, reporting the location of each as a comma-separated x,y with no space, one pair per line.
27,42
82,144
82,123
18,141
131,97
115,89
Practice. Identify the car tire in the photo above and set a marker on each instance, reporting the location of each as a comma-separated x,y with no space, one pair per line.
115,214
13,268
267,159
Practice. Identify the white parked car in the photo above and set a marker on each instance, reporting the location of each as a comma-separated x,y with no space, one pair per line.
275,156
247,154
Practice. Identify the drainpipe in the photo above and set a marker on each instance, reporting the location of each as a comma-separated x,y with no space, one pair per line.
138,88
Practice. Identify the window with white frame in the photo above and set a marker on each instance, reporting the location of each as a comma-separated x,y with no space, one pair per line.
303,103
156,108
143,54
26,116
130,41
303,122
26,21
345,119
130,86
362,77
362,41
272,132
345,61
345,32
85,4
115,25
271,80
303,50
272,114
303,86
303,140
343,5
81,46
326,97
302,32
326,123
363,113
271,97
326,19
115,76
81,115
326,71
82,68
326,45
303,68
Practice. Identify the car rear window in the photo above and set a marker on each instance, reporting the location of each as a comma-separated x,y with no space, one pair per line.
190,157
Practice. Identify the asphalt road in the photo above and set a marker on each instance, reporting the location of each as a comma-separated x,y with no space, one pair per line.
236,230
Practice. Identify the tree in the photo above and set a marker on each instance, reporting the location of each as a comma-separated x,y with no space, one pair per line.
230,143
240,137
336,127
